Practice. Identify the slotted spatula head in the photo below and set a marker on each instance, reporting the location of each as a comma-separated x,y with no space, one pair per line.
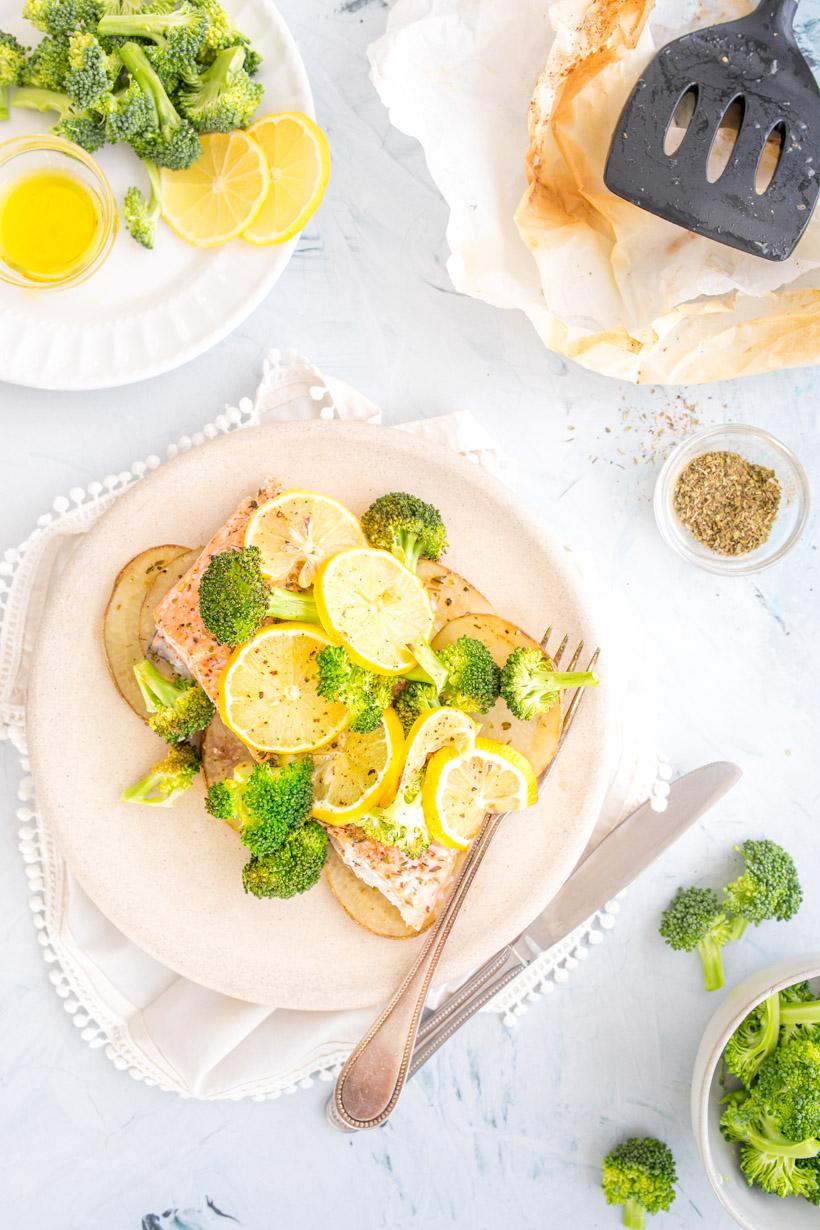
755,64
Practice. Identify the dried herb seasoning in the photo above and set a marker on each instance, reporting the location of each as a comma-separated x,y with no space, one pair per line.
728,503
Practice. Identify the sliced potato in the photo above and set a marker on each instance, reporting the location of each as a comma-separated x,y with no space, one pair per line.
121,622
221,752
164,580
366,905
537,740
450,595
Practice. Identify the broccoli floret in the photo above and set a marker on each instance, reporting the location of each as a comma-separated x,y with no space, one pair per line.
788,1084
400,824
413,700
754,1040
222,97
363,692
464,674
47,65
171,141
234,599
12,67
178,35
88,79
141,214
80,127
167,780
799,1013
62,16
407,526
293,868
768,1158
640,1175
695,921
267,801
530,686
178,708
768,890
126,113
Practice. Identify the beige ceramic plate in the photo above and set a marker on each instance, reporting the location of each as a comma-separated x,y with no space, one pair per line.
170,880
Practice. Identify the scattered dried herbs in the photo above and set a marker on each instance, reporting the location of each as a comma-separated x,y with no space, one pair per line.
728,503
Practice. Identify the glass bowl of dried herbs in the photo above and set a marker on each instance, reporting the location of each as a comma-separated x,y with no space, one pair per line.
732,499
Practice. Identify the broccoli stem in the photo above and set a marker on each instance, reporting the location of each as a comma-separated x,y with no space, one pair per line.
800,1013
36,99
634,1215
139,66
157,691
429,668
737,927
285,604
153,26
4,102
712,959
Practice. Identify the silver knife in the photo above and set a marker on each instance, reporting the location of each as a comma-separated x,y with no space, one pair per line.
618,860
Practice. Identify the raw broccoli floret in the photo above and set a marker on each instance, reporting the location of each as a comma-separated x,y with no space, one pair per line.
754,1040
464,674
167,780
62,16
178,35
413,700
767,1157
222,97
400,824
141,214
293,868
126,113
81,127
178,708
407,526
234,599
768,890
788,1084
363,692
530,686
171,141
695,921
799,1013
12,67
47,65
88,78
640,1175
268,801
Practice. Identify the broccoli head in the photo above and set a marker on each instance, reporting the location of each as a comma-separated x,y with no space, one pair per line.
768,1158
234,600
126,113
754,1040
400,824
12,67
640,1174
177,34
464,674
171,140
47,65
141,214
768,890
530,686
407,526
178,708
788,1084
222,97
799,1013
413,700
81,127
364,693
293,868
266,801
167,780
87,79
695,921
62,16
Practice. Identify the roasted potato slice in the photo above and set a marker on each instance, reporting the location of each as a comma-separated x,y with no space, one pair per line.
537,740
121,622
164,580
221,752
451,596
365,905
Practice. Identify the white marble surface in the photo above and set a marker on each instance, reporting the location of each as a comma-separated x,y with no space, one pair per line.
501,1129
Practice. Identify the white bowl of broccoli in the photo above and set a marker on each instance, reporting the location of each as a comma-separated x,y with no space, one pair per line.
756,1098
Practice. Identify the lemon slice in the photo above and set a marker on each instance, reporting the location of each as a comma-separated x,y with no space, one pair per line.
267,692
296,531
375,606
460,787
217,197
355,773
432,731
298,158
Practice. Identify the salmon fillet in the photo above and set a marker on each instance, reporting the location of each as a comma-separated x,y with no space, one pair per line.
415,886
181,631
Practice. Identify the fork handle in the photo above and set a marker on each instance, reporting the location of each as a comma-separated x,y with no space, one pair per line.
371,1081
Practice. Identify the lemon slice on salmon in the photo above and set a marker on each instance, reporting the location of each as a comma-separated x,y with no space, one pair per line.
267,692
296,531
220,194
375,606
356,772
461,786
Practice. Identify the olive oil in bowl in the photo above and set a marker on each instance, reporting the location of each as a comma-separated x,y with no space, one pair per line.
57,214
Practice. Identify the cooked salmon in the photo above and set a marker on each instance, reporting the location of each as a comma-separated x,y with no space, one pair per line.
415,886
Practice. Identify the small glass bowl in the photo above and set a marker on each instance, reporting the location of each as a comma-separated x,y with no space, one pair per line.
760,448
43,152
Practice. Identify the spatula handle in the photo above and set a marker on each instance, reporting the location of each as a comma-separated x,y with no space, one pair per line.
777,14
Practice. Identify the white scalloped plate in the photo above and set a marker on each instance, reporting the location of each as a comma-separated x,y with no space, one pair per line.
171,880
145,313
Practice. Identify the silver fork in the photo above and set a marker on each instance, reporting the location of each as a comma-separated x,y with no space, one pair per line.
371,1082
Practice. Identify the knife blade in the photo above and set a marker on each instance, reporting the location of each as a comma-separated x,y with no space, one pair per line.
612,866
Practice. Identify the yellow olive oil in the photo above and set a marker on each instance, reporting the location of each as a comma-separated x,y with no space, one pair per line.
49,222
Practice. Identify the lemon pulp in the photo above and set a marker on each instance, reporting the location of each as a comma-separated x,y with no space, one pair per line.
49,221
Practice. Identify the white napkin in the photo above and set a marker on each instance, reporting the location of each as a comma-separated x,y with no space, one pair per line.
164,1029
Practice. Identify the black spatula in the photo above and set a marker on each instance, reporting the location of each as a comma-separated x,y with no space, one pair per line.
750,71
